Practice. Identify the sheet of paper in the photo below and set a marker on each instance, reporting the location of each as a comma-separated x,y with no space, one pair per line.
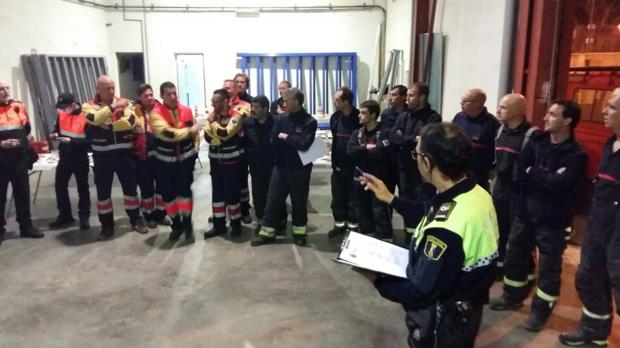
317,150
373,254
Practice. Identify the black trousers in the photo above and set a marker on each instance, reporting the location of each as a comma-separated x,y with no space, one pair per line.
343,200
176,187
147,179
295,182
454,329
16,173
121,163
502,208
226,197
551,242
68,165
372,214
598,274
245,191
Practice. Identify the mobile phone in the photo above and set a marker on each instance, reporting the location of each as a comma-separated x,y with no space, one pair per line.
358,172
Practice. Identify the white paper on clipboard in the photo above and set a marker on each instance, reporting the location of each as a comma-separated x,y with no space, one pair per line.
317,150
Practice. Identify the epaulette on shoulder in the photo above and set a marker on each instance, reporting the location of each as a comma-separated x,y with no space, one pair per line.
444,210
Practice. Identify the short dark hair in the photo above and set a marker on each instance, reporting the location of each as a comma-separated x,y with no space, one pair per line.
143,88
422,88
222,92
372,106
295,93
447,147
288,84
570,110
261,100
402,90
246,77
346,94
165,85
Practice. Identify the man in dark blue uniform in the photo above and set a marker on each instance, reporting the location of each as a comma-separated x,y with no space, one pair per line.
512,136
481,126
398,105
343,122
292,132
547,171
451,257
368,146
598,273
403,136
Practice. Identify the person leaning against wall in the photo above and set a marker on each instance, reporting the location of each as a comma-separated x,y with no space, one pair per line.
452,253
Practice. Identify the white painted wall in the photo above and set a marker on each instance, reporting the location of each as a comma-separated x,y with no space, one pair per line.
398,33
220,36
50,27
477,51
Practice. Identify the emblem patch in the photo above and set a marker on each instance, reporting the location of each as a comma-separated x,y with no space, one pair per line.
234,121
434,248
444,211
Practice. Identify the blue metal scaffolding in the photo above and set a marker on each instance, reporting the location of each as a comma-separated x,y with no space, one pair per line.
318,75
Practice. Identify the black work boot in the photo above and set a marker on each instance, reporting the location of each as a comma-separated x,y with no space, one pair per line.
299,239
188,229
536,321
337,231
583,337
503,303
177,229
2,232
139,226
84,224
214,232
262,240
30,232
61,222
235,228
106,233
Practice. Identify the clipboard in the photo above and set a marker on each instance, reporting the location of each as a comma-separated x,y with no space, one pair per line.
317,150
373,254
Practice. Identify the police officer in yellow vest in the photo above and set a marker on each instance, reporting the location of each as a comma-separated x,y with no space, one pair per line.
454,247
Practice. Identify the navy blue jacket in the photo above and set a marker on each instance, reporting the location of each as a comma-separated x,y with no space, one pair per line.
342,127
301,129
547,187
374,161
259,153
481,130
389,117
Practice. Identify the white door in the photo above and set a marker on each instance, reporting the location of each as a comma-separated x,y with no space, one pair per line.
191,87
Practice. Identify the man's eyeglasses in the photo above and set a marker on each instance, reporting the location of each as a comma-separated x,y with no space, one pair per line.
415,154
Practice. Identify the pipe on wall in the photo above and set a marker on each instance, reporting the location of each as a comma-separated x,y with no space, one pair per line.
223,9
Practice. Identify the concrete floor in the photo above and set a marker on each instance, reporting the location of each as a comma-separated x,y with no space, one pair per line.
68,290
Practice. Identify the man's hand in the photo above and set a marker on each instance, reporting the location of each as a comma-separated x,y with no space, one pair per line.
282,136
9,143
372,183
212,117
120,103
54,136
370,146
399,132
63,139
195,129
370,275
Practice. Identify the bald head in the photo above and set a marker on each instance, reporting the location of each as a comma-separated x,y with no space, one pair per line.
472,102
5,91
106,89
616,93
511,107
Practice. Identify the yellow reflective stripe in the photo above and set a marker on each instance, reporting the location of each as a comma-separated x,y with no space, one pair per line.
339,223
299,230
268,232
410,230
351,224
545,296
515,283
595,316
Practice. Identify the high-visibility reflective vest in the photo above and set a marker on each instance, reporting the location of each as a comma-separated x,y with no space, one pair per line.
72,126
171,151
474,219
105,140
14,125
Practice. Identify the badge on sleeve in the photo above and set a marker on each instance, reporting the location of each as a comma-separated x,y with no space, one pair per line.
234,122
444,211
434,248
